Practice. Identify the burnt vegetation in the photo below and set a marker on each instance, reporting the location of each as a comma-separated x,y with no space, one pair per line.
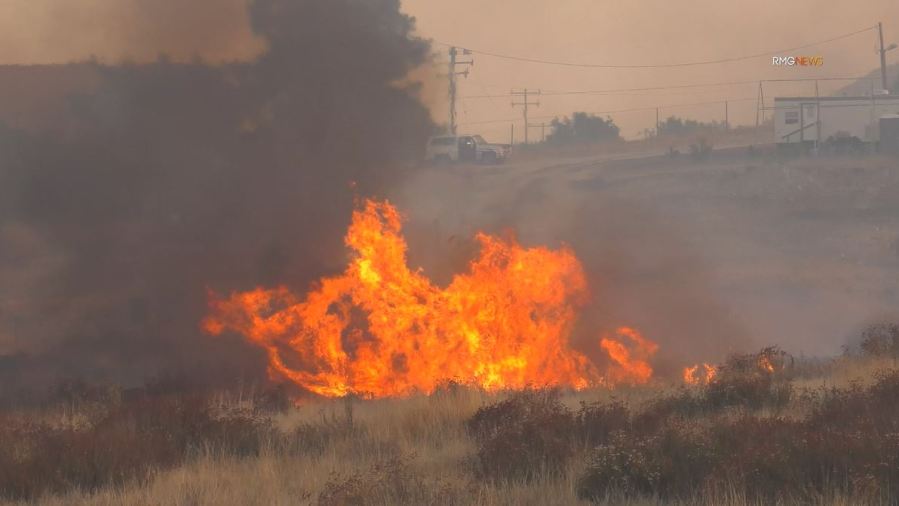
526,435
730,437
121,438
750,433
394,481
880,340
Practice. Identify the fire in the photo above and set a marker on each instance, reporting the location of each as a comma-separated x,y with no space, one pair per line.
765,364
380,329
693,376
630,364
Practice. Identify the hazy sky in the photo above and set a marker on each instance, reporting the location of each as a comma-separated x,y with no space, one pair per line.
58,31
647,32
593,31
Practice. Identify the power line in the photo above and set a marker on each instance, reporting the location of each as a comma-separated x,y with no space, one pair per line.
673,87
619,90
619,111
662,65
652,108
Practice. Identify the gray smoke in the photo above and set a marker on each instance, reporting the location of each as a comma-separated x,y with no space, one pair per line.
645,269
171,179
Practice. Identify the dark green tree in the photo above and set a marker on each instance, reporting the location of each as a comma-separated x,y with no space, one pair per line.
675,125
582,128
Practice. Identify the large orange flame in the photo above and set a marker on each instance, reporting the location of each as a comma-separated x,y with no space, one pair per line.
381,329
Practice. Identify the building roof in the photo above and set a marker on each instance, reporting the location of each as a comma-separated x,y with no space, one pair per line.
868,98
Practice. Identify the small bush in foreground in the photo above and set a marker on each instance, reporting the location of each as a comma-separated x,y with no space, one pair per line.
526,435
390,482
669,464
596,423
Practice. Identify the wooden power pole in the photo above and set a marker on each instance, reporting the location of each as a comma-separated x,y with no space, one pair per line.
726,116
658,125
524,103
883,59
451,74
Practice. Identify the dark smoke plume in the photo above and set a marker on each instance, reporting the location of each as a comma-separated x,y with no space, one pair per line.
170,179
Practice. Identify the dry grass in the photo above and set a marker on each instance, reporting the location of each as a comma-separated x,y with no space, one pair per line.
430,449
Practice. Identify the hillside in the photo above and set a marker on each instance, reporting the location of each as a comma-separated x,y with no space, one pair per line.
862,87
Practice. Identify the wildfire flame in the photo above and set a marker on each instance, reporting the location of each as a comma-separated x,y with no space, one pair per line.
381,329
694,376
765,364
630,364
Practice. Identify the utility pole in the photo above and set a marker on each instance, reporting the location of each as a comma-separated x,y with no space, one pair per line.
761,102
525,103
817,116
883,58
658,126
726,117
758,105
452,73
543,130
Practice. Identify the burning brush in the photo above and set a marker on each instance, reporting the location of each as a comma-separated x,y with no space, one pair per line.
381,329
695,375
767,362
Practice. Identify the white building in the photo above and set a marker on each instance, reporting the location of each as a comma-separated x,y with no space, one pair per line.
808,119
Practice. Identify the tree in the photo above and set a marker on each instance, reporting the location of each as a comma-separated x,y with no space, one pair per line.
582,128
674,125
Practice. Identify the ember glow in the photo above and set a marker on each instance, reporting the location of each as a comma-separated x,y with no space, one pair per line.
700,375
765,364
381,329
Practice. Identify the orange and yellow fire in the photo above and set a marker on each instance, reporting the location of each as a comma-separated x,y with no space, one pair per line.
630,364
765,364
381,329
694,376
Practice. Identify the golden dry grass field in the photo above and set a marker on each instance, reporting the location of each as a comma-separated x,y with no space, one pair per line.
462,446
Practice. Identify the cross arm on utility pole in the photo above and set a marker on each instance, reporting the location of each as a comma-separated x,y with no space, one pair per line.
525,102
451,74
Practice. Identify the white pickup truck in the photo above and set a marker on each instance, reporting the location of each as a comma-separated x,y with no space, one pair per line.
465,148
